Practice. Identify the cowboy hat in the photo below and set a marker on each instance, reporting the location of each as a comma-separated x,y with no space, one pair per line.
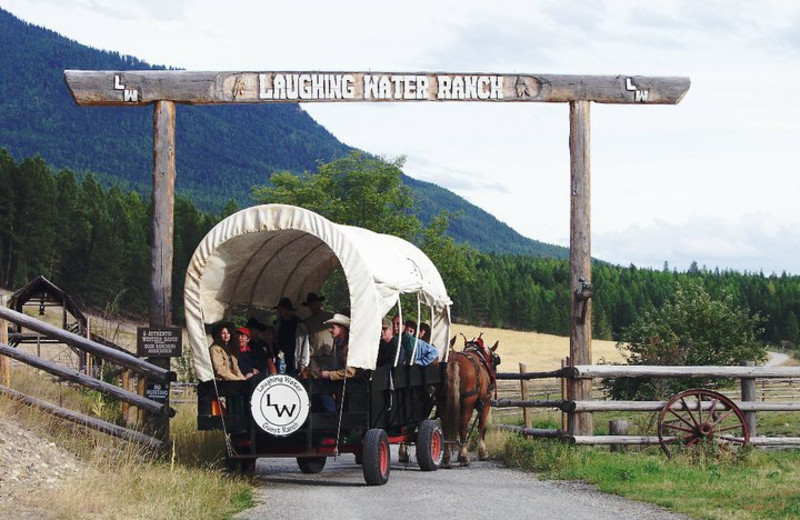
285,303
311,298
339,319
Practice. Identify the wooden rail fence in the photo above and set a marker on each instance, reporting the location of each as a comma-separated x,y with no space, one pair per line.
129,362
761,387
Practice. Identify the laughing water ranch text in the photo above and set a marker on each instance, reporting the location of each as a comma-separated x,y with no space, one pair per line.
379,86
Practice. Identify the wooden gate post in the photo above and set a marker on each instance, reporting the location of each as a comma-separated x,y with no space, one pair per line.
749,394
5,363
524,394
580,269
163,230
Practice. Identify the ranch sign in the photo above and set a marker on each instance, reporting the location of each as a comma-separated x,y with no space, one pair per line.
138,87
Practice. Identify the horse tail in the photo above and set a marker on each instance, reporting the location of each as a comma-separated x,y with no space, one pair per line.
452,411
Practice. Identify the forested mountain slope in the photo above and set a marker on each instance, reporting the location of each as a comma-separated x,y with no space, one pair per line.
222,151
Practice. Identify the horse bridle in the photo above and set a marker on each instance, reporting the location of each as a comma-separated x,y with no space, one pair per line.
475,346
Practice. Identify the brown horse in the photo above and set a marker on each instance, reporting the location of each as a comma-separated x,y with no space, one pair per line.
469,386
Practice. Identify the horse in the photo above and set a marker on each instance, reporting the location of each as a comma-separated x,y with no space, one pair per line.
469,384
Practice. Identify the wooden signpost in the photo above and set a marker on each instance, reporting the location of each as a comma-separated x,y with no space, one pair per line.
165,88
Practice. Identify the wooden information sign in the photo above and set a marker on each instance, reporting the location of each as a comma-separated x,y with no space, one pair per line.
158,342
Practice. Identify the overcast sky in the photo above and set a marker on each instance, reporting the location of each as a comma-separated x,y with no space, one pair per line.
712,179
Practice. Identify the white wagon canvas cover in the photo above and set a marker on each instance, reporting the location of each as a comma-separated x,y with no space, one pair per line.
258,255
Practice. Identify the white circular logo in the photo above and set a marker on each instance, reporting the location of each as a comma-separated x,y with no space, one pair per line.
280,405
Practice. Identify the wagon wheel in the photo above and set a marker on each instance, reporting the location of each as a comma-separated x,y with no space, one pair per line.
696,416
311,464
430,445
376,457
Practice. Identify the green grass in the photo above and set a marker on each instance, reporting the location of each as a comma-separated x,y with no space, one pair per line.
753,484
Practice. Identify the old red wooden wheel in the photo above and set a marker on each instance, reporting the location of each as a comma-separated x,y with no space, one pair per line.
701,417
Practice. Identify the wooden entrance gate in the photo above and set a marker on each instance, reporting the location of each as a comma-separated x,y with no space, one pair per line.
165,88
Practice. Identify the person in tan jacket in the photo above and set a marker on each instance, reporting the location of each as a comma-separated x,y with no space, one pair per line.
223,358
340,330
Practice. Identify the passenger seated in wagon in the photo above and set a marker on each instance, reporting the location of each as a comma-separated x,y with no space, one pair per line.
425,354
339,326
291,337
223,356
249,363
387,347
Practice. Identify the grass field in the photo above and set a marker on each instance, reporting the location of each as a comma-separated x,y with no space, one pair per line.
540,352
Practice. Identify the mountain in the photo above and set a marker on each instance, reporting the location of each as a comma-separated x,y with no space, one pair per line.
221,152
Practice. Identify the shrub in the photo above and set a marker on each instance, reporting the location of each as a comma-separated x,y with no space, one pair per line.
689,329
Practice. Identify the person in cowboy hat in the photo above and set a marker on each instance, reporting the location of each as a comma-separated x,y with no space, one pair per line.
261,341
319,335
339,326
292,338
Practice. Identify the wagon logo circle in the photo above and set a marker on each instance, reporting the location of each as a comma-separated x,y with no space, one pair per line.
280,405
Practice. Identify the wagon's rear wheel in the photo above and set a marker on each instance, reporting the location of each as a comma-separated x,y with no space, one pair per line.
376,457
430,445
697,417
311,464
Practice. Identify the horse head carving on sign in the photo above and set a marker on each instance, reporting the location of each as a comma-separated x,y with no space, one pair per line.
468,388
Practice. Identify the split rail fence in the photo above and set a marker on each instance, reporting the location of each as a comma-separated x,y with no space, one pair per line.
129,362
760,387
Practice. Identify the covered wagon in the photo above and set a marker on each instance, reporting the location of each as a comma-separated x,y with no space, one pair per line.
253,259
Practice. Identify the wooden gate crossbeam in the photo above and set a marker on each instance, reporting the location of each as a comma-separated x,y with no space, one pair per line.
133,88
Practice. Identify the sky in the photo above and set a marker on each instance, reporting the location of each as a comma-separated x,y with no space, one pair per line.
713,179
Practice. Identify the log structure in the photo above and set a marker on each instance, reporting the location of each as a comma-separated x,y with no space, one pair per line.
203,88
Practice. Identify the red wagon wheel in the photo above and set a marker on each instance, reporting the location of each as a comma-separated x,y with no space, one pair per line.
701,416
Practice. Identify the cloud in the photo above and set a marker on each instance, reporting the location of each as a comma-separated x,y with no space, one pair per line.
754,242
454,179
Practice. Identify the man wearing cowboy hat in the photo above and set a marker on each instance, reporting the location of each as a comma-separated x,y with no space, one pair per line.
340,330
319,335
292,338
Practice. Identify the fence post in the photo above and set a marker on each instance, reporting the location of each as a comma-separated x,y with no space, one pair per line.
564,394
140,389
88,356
749,394
618,427
5,363
126,384
523,391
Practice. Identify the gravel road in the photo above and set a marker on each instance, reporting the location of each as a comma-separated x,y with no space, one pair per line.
775,359
485,490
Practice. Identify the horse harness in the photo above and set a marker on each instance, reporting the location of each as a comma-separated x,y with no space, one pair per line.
480,351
